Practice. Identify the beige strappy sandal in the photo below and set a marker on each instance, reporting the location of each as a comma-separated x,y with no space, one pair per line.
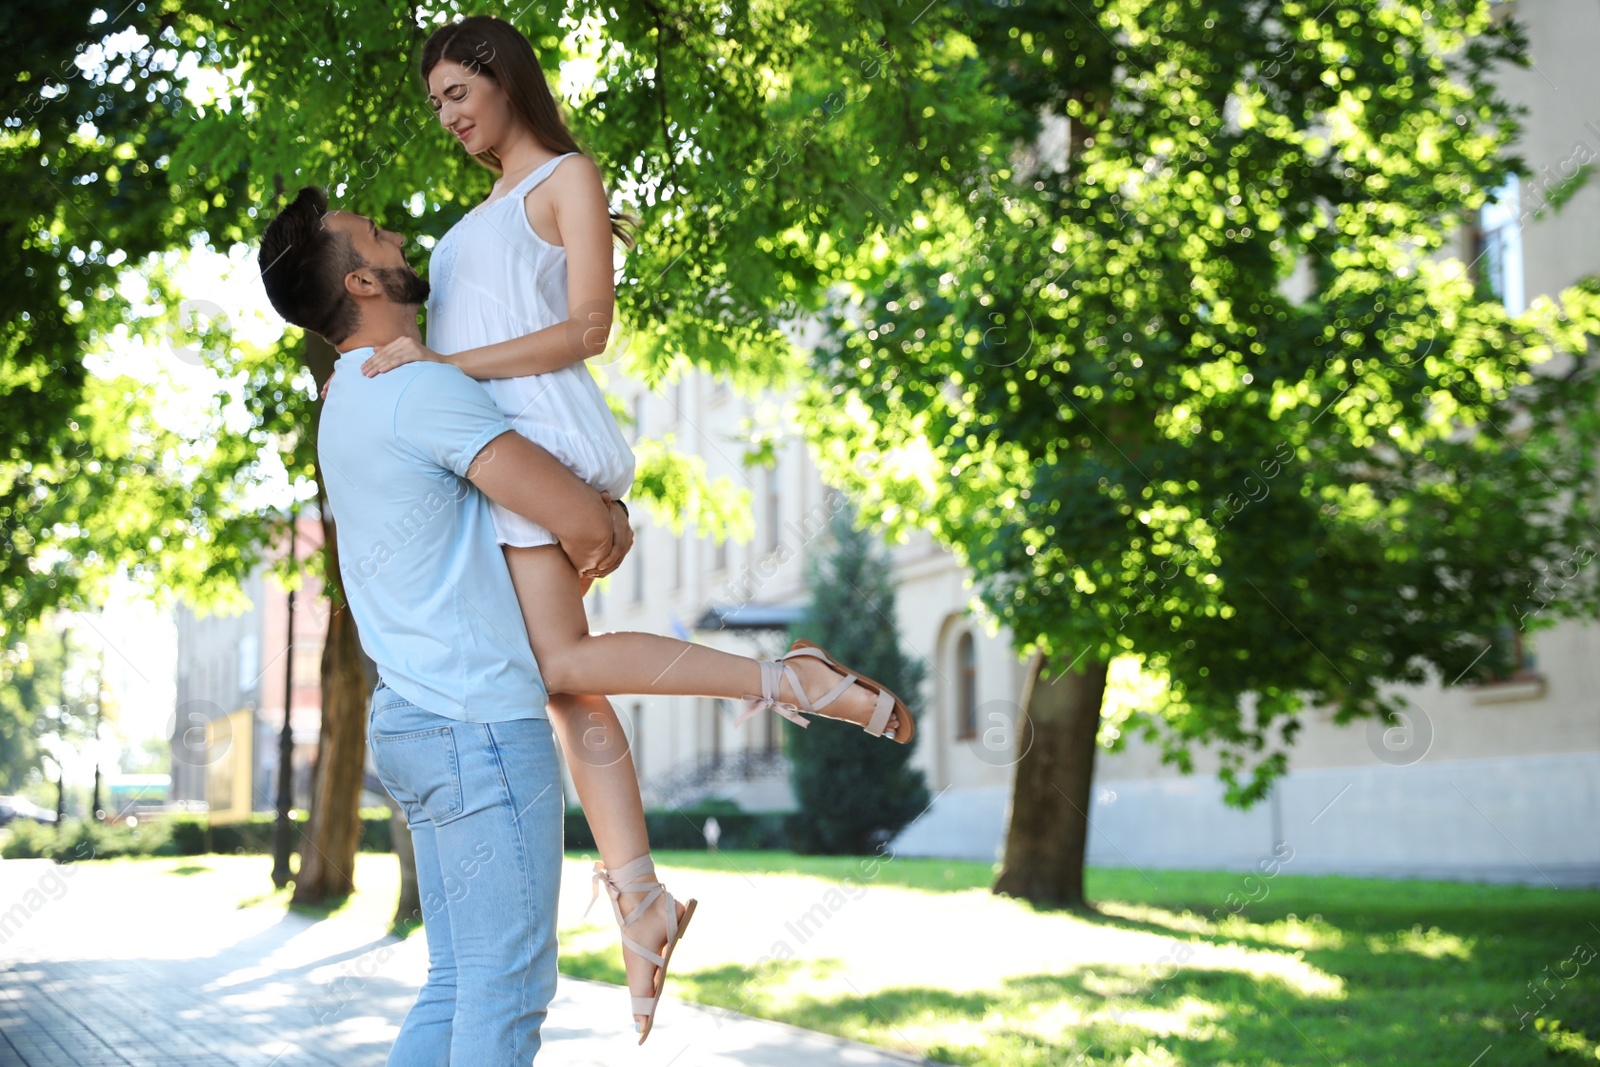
638,876
773,673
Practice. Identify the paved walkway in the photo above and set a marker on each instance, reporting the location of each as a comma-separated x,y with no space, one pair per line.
120,964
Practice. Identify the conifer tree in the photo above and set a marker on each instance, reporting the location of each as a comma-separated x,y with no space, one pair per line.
854,790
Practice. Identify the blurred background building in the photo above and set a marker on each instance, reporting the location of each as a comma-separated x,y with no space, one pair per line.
231,672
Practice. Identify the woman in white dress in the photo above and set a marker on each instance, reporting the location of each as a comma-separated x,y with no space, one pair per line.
522,295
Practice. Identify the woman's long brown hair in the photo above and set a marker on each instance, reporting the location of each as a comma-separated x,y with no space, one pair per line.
486,45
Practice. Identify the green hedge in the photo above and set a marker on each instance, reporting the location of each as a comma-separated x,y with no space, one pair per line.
185,835
84,841
256,835
741,830
172,835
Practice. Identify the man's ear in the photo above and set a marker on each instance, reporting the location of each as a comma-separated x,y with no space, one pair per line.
360,282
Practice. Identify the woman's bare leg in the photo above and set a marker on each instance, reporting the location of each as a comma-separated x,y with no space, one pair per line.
573,660
601,765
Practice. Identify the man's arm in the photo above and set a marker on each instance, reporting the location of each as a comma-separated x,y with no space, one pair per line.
445,418
522,477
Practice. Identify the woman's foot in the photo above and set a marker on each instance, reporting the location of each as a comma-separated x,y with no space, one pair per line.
651,923
854,705
650,930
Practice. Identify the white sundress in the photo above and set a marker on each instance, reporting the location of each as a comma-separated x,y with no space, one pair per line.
492,279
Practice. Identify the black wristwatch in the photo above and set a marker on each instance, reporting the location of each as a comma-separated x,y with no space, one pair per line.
624,508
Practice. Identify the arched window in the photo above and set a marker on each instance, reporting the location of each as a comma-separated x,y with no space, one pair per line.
967,688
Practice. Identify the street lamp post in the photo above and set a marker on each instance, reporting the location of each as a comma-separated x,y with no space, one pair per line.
48,761
285,825
95,811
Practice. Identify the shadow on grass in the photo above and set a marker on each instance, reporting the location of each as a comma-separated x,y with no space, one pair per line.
190,868
1319,970
1373,996
404,926
1105,1015
934,875
321,909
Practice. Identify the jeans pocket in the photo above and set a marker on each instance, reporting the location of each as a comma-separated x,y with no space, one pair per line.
384,698
424,764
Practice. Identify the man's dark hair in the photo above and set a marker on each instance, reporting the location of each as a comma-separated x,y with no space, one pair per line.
303,268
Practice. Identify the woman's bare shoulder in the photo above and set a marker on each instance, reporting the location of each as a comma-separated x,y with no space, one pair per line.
576,173
569,203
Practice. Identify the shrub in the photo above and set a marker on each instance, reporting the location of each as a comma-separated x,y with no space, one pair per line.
682,828
186,835
78,840
26,840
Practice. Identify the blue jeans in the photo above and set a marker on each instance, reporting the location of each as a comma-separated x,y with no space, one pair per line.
483,801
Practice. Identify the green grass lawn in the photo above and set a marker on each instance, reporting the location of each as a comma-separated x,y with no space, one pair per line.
917,955
913,874
1319,970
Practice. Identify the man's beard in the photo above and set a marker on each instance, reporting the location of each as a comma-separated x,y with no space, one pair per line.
402,284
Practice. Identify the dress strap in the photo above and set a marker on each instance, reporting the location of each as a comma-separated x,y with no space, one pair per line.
540,173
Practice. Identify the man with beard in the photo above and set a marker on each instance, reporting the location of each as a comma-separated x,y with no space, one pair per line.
458,729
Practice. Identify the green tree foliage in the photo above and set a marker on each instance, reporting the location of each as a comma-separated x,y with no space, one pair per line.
855,791
46,706
89,478
32,677
736,135
1091,374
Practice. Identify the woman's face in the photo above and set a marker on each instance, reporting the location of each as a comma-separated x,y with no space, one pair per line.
471,105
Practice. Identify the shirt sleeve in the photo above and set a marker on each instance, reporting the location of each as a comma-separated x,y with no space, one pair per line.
446,417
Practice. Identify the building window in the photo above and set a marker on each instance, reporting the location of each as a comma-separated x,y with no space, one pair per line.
1498,251
718,708
637,556
967,689
680,552
636,742
774,507
1509,657
720,554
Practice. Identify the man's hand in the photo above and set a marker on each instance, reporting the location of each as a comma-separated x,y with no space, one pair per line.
621,541
397,353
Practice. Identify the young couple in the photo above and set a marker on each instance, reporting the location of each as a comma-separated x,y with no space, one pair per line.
507,494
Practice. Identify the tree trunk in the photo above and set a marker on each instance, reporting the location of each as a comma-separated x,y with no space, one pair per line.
408,911
1049,823
328,849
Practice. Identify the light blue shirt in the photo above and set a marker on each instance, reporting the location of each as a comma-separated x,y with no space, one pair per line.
422,570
